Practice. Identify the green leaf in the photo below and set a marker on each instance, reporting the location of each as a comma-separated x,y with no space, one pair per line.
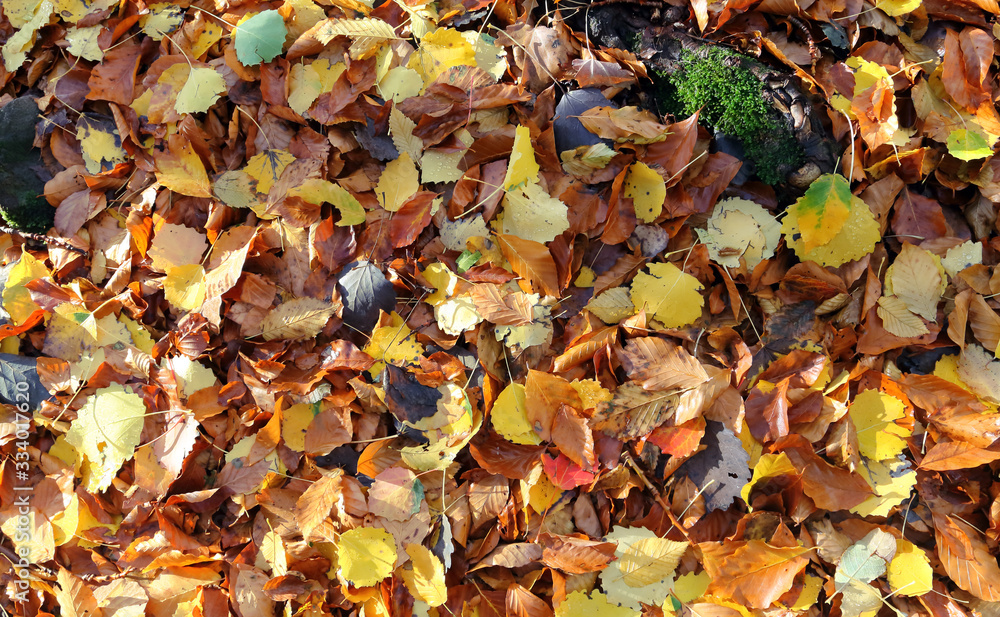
260,38
467,259
968,145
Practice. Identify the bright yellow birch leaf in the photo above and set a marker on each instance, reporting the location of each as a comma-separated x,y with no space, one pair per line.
829,225
426,579
523,167
874,415
644,568
106,431
578,604
892,480
439,51
894,8
266,168
184,286
531,213
203,87
910,572
16,299
366,555
648,191
768,466
394,344
398,182
510,418
669,294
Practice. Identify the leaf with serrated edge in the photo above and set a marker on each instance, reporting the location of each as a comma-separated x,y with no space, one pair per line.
917,280
299,318
897,319
658,365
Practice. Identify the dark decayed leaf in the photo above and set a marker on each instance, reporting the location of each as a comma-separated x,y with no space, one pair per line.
364,291
720,469
19,381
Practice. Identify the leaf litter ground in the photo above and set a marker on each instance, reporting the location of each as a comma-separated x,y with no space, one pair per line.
352,333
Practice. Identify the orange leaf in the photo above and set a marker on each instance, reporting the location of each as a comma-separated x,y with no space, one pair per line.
966,557
543,394
753,573
532,261
571,434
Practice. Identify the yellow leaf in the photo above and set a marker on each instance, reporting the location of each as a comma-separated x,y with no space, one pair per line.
366,555
542,494
203,87
579,603
910,572
399,84
897,319
106,431
176,245
689,587
307,81
443,280
648,191
531,213
874,415
181,170
829,225
612,306
892,481
960,257
83,43
980,373
266,168
457,315
439,51
15,50
101,145
299,318
669,294
401,130
271,555
295,422
522,168
740,228
184,286
426,580
917,278
235,189
398,182
206,34
394,344
893,8
162,19
768,466
591,392
644,568
510,418
16,298
585,279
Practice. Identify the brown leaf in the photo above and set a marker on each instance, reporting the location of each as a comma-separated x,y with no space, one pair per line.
410,220
497,455
967,59
510,309
966,557
752,573
984,321
571,434
532,261
315,504
830,488
952,455
633,412
918,218
954,411
767,411
544,393
514,555
523,603
658,365
575,555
